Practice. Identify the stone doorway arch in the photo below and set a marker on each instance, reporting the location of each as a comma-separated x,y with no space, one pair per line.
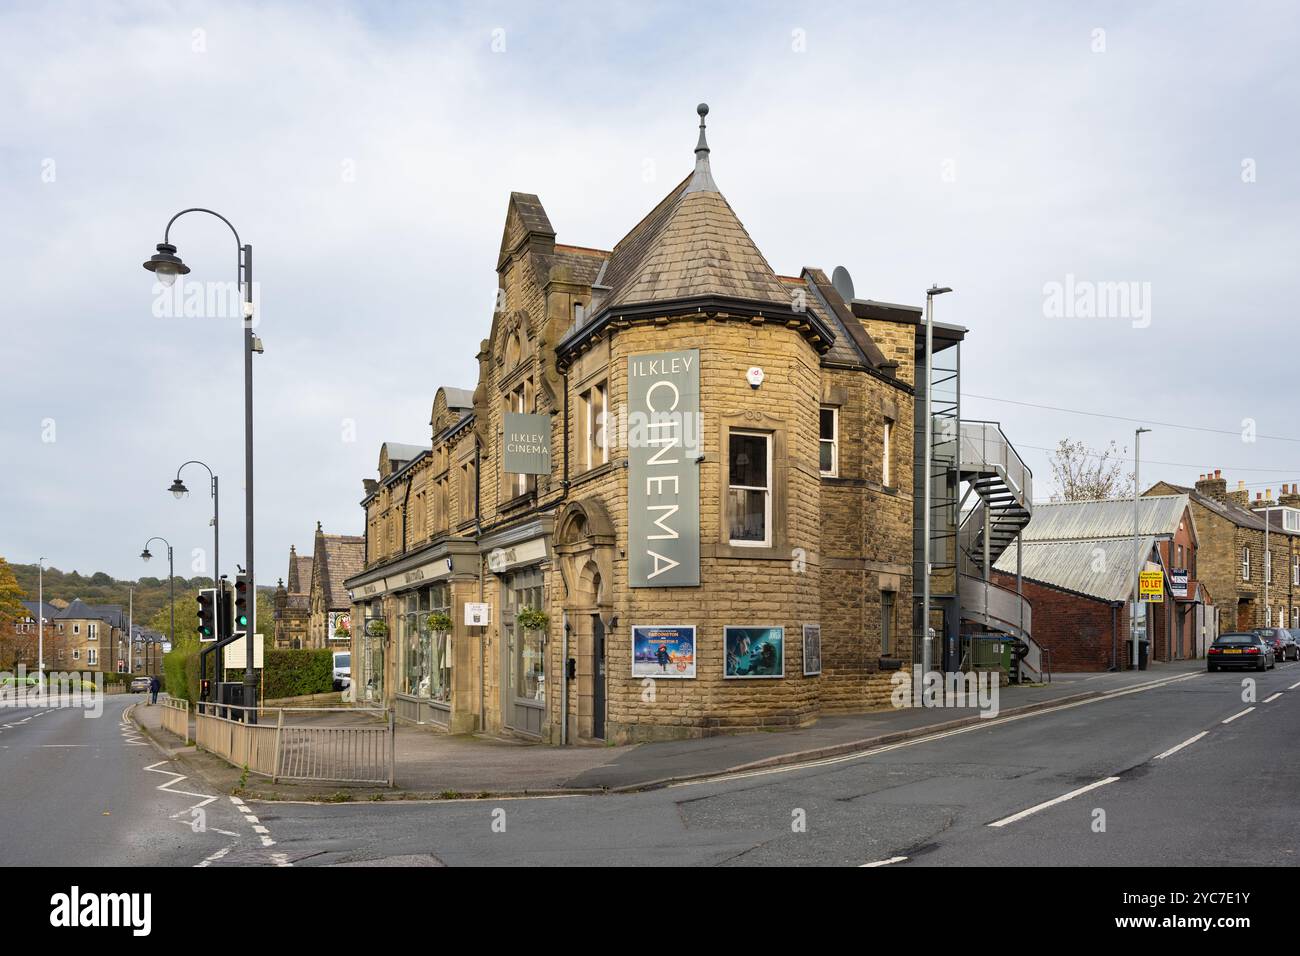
584,551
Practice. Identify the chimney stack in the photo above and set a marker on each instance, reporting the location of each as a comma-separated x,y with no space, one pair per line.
1213,487
1290,496
1239,496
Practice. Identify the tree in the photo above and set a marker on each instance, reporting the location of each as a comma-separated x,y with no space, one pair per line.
1081,473
12,596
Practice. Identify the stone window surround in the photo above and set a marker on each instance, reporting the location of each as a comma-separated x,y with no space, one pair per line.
776,428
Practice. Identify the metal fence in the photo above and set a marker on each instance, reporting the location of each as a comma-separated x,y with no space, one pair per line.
288,745
176,717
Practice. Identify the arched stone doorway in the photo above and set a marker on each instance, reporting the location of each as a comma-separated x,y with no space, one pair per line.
584,550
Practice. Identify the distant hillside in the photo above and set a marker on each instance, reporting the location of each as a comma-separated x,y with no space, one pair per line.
150,593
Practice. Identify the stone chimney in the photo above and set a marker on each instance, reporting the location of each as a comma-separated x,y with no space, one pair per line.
1213,485
1240,495
1290,496
1264,499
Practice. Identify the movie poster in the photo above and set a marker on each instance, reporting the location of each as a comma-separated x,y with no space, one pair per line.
663,650
812,649
754,651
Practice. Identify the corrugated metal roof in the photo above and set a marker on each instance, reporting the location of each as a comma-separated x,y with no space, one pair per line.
1074,520
1100,568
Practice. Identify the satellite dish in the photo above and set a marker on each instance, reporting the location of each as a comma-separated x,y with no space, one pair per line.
843,283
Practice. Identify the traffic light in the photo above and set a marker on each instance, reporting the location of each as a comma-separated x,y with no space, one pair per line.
207,614
205,688
225,609
242,597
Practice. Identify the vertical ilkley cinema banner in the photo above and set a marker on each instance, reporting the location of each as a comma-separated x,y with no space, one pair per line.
663,487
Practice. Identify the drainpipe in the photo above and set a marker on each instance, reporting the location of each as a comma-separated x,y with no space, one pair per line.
564,681
483,638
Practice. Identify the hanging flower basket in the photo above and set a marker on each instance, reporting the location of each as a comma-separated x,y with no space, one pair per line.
377,629
439,622
531,619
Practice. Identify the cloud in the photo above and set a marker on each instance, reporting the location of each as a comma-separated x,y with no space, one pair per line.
368,153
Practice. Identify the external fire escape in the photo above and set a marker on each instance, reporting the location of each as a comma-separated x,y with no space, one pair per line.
1002,486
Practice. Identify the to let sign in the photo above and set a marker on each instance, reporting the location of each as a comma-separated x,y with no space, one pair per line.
1151,586
527,444
663,488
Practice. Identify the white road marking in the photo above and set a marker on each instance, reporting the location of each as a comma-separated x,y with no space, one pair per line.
892,859
1294,686
929,738
1186,743
213,858
1051,803
1242,714
280,859
1269,700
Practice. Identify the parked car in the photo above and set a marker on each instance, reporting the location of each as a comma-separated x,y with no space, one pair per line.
1290,644
1295,636
1246,649
139,685
342,670
1280,640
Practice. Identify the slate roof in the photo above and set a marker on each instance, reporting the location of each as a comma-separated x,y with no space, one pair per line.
50,611
1100,568
700,248
397,451
338,557
1225,509
110,614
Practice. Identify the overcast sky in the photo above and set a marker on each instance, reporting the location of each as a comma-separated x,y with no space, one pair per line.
367,151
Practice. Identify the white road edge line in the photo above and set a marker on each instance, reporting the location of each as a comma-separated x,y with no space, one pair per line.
1242,714
892,859
1269,700
1051,803
1294,686
914,741
1186,743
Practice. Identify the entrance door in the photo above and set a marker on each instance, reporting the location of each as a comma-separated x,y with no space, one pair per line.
597,678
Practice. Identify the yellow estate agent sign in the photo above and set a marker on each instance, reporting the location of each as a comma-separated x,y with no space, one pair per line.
1151,586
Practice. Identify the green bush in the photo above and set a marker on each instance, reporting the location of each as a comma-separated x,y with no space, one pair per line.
287,673
291,673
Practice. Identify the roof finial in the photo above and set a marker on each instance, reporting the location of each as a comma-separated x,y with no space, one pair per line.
702,181
318,527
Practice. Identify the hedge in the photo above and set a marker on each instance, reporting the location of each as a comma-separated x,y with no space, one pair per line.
287,673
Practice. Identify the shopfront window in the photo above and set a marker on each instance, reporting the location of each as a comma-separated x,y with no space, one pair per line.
426,654
528,670
372,653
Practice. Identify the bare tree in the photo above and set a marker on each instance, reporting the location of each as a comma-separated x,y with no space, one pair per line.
1081,473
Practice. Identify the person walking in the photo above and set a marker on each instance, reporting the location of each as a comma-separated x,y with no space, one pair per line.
154,685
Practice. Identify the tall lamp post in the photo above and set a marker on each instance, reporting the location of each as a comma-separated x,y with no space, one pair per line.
171,579
179,491
1137,557
927,651
40,625
166,265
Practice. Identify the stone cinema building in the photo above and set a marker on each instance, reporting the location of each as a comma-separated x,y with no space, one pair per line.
678,502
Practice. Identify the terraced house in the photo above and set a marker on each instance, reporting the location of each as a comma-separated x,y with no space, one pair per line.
678,501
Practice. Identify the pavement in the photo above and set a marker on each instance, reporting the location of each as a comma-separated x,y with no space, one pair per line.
431,764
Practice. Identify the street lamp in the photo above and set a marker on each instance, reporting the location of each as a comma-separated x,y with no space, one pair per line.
40,625
179,491
165,264
1137,557
171,580
926,649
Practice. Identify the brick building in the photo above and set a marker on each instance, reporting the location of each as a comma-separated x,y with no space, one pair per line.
699,471
1252,587
1077,565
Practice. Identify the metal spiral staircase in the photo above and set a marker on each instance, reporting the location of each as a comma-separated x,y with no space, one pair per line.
1003,484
